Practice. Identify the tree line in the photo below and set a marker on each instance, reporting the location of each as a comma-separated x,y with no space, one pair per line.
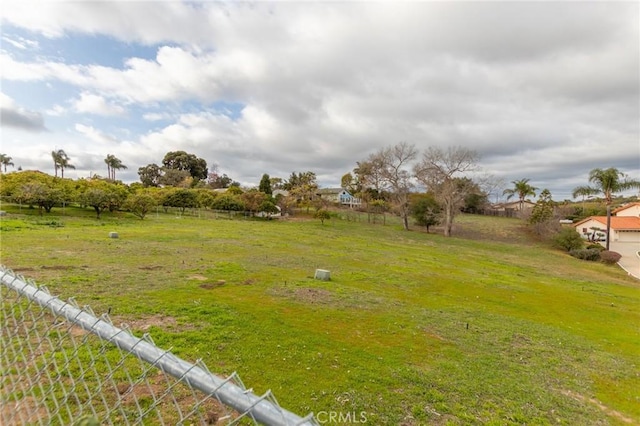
433,187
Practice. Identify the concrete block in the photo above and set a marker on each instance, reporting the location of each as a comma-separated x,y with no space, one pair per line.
323,274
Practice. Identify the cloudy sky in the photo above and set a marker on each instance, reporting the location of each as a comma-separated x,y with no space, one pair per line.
543,90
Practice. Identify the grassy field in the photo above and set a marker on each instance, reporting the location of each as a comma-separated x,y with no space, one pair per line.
486,327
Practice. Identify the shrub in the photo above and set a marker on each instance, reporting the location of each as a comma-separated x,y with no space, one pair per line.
322,215
595,247
140,204
586,254
568,239
610,257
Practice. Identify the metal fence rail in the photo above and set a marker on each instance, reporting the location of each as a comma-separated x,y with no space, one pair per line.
61,364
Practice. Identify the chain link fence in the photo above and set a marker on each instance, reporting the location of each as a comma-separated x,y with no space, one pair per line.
60,364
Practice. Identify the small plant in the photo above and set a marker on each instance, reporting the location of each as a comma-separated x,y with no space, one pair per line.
595,247
323,215
51,223
610,257
592,255
568,239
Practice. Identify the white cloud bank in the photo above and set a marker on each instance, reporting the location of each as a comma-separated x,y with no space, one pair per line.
544,90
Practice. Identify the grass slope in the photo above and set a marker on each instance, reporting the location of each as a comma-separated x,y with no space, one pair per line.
486,328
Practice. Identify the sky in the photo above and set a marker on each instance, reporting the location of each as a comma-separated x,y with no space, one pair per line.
544,91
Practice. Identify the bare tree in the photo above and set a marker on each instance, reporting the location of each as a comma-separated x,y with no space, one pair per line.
442,173
390,166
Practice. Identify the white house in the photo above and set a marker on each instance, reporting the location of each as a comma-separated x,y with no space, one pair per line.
628,210
625,224
338,195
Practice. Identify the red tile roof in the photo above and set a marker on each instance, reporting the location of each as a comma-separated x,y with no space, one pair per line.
626,206
617,222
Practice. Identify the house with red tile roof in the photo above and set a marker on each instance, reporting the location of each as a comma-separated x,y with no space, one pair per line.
625,225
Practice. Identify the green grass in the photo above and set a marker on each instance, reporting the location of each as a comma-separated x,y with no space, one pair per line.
487,327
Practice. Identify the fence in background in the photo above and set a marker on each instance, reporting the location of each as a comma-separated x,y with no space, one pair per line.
61,364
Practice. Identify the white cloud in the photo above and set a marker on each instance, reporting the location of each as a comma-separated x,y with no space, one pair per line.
96,135
95,104
319,86
20,42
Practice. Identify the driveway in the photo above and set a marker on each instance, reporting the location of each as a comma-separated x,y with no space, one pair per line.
630,261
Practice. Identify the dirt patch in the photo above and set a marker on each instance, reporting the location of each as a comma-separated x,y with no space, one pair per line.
27,269
430,334
58,267
26,408
150,268
155,386
144,324
305,294
609,411
210,286
197,277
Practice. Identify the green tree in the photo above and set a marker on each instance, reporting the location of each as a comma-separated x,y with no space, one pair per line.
11,183
607,182
228,202
425,210
61,161
475,201
568,239
102,195
522,189
181,160
98,198
265,185
39,194
113,163
55,156
542,212
182,199
252,200
36,189
5,161
235,190
176,178
302,187
205,197
269,208
322,214
150,175
276,183
140,204
351,184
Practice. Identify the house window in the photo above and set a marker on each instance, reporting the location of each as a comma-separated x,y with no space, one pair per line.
584,230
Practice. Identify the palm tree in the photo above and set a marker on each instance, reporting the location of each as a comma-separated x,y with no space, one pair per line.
113,164
522,189
61,161
5,160
55,155
607,182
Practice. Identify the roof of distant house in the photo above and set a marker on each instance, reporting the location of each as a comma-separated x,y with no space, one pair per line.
617,222
626,206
